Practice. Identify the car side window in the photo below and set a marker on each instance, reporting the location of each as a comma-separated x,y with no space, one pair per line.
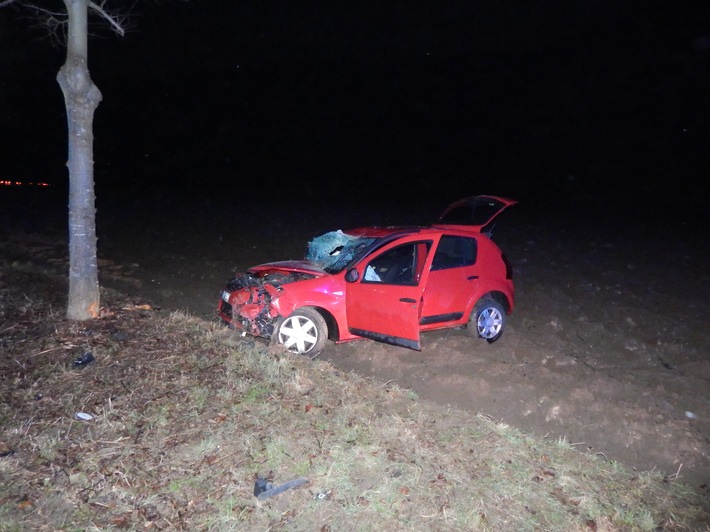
455,252
396,266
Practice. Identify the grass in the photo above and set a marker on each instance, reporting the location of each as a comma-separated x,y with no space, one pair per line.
186,415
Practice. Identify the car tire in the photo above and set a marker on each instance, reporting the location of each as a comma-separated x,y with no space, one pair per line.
304,332
487,320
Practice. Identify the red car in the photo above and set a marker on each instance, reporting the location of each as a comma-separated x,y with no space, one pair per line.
384,283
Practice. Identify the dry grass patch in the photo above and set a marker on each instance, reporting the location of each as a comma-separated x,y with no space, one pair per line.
185,415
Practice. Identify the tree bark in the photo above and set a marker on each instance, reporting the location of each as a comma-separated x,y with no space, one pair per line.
81,98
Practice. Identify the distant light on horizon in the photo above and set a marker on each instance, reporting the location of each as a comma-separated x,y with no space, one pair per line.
9,183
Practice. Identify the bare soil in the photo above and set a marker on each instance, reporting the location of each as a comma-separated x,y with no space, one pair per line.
608,346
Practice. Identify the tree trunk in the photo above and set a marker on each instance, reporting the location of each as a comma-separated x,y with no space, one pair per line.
81,98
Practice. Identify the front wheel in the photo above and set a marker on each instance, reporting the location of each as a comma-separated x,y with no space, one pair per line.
487,320
304,332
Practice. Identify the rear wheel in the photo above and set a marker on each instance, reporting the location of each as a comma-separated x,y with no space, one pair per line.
304,332
487,320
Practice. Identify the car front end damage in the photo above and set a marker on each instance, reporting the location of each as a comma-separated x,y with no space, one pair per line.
248,302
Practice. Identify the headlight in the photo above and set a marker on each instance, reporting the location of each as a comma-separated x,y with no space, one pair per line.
225,296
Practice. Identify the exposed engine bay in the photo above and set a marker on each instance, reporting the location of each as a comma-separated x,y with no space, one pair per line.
247,300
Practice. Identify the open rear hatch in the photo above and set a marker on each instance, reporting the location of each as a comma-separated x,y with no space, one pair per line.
474,214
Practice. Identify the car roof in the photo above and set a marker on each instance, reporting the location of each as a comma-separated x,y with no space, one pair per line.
394,232
381,232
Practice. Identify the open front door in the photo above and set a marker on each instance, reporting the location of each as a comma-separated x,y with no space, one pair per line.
384,303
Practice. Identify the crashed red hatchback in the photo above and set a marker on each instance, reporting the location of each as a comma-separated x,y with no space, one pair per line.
383,283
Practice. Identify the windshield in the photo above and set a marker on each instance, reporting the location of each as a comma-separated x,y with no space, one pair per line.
335,250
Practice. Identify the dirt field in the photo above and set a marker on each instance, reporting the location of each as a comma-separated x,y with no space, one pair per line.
608,346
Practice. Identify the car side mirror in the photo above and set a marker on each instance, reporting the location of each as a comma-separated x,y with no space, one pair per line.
351,275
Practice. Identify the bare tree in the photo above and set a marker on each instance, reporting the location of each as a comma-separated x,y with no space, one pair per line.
81,98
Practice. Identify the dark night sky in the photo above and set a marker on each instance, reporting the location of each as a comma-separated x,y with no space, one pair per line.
565,99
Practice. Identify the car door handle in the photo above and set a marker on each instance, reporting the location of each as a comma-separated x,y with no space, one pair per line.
407,300
471,277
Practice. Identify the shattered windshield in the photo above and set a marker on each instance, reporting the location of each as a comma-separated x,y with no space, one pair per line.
333,251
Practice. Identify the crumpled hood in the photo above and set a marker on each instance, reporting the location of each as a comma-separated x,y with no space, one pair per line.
288,266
